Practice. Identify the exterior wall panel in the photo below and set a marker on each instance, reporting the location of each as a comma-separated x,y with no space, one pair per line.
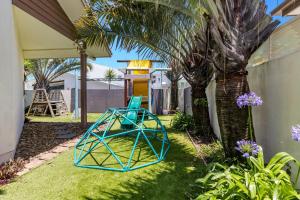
11,83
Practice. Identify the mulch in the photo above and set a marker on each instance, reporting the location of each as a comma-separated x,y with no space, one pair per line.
39,137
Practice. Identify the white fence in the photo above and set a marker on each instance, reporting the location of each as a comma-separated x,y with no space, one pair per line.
274,72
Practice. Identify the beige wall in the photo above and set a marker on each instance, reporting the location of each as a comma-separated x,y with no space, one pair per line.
11,83
277,82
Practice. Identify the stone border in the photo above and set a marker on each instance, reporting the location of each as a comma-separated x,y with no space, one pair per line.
42,158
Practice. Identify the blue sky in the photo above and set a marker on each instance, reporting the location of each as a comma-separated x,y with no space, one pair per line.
124,55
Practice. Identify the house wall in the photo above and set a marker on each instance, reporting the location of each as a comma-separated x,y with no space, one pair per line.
69,83
11,83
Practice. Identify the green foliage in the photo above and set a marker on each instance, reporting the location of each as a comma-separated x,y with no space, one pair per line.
9,169
212,152
110,74
201,102
45,71
182,122
256,180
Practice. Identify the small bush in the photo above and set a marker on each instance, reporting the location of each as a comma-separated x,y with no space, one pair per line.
254,180
10,169
182,122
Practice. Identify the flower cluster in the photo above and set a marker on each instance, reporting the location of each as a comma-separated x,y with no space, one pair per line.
247,148
296,133
249,99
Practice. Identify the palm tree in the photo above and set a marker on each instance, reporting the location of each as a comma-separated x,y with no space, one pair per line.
238,27
153,29
237,30
174,76
109,76
45,71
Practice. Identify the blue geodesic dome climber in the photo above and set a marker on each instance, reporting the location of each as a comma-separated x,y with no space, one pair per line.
123,139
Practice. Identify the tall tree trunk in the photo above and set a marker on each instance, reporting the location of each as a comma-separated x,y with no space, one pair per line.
174,95
233,121
200,111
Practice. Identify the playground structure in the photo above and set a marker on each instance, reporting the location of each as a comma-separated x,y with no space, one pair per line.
138,80
103,143
42,103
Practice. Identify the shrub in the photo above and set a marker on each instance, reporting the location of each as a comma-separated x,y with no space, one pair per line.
182,122
9,169
254,180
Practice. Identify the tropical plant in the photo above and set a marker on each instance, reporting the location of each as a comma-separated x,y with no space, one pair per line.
182,122
174,76
254,180
154,29
110,74
45,71
27,66
10,169
238,28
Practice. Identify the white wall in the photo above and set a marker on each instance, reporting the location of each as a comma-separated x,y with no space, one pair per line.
11,83
277,82
69,83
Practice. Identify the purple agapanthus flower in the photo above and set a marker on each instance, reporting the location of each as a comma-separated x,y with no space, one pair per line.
296,133
249,99
247,148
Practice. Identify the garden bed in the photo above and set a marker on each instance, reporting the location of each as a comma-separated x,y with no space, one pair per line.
39,137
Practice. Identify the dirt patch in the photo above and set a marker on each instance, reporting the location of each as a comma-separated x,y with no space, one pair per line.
41,137
43,141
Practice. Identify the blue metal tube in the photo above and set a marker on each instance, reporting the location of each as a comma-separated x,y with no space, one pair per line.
113,154
89,151
133,149
149,143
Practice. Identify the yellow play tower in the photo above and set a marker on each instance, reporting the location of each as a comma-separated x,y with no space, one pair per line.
140,85
137,80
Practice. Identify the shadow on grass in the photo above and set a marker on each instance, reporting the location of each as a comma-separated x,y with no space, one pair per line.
2,192
170,180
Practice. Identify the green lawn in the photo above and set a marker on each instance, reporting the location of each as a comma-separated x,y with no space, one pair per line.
92,117
59,179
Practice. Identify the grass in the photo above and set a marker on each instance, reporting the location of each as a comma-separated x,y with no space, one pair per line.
59,179
92,117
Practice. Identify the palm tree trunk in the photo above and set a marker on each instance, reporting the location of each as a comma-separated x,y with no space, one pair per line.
174,95
233,121
200,111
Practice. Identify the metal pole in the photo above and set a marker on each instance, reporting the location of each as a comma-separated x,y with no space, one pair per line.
76,113
125,92
83,92
149,96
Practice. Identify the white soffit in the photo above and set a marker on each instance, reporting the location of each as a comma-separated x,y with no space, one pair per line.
38,40
41,41
75,9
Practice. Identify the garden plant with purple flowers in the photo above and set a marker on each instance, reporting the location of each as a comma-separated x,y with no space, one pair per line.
249,100
247,148
296,133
